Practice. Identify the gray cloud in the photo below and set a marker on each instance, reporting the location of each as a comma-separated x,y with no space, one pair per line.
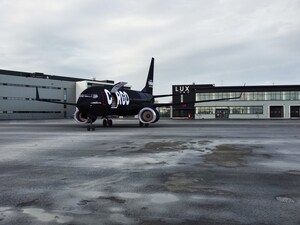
231,42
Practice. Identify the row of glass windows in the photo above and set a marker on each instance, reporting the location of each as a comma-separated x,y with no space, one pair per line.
232,110
11,112
251,96
31,86
26,99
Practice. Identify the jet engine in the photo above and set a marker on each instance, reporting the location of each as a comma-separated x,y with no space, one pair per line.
80,117
148,115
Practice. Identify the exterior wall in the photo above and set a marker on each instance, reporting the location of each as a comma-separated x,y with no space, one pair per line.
256,102
265,104
16,94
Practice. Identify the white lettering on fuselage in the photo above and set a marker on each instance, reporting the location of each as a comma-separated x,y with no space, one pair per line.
122,97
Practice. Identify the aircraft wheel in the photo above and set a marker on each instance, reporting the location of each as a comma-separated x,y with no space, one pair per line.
141,124
105,122
110,123
147,125
88,129
93,128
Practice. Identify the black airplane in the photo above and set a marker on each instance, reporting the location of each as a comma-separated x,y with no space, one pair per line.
105,102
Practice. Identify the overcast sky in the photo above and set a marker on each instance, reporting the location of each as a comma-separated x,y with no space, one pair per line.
223,42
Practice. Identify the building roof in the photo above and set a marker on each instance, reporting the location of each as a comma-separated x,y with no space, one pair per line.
256,88
46,76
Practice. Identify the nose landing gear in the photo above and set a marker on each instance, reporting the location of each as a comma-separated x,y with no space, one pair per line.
90,122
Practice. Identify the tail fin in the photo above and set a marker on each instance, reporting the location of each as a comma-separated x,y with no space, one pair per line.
149,83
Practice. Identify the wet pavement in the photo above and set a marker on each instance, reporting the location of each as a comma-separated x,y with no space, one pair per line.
174,172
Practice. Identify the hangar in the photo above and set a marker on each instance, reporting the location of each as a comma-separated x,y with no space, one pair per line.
256,102
17,90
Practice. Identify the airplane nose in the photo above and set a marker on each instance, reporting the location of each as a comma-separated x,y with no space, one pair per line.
86,101
83,103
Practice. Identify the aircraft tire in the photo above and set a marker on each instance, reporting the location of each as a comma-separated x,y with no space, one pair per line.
141,124
147,125
105,122
110,123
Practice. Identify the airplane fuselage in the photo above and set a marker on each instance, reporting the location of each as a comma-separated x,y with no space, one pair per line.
101,101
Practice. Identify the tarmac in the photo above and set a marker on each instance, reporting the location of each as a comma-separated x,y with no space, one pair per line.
212,172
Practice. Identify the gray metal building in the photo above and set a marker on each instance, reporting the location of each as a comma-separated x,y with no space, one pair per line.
18,89
256,102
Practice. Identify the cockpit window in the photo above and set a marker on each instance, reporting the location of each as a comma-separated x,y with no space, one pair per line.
88,96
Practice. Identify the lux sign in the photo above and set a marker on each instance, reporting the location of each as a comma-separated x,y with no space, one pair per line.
182,89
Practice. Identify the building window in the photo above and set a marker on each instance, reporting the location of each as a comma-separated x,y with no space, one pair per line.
203,96
255,109
235,110
256,96
275,95
292,95
246,110
30,86
65,94
204,110
26,112
221,95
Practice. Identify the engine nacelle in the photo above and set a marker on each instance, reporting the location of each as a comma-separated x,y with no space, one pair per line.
148,115
80,117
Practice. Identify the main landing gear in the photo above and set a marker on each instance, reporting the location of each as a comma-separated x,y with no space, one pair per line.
144,124
107,122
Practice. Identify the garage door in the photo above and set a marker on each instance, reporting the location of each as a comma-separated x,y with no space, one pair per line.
276,111
295,111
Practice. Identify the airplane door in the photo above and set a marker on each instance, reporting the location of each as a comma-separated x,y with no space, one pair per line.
104,99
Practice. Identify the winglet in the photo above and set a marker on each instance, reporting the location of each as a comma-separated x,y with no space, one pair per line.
149,83
117,87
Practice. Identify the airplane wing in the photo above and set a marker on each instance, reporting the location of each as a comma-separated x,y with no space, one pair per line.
37,98
185,103
162,96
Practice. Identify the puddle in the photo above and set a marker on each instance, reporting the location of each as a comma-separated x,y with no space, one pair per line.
162,146
84,202
43,216
26,204
113,199
294,172
116,209
163,198
120,218
285,199
129,195
179,182
168,146
4,209
4,212
216,192
227,155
